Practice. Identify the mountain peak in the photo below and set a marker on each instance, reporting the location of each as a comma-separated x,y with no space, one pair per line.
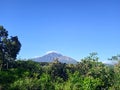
50,56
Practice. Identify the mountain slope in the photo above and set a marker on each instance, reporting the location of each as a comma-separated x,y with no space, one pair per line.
50,57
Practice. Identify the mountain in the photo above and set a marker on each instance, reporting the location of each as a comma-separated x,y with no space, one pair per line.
50,57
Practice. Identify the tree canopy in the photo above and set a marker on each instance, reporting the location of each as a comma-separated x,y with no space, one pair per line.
9,48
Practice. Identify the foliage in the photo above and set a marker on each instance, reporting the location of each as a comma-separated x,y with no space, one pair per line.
33,83
89,74
9,48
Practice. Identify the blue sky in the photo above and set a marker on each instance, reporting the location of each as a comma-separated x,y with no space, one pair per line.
72,27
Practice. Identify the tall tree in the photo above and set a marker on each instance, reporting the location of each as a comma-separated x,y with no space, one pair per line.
9,48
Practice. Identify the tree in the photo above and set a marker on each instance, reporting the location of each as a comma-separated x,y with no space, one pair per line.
115,59
116,84
9,48
58,69
87,63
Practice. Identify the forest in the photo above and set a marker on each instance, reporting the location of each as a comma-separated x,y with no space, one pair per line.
88,74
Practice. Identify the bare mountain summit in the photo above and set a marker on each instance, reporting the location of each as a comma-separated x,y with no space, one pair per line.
50,57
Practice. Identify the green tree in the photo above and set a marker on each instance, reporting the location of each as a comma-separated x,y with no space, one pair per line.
58,69
116,84
87,63
9,48
44,83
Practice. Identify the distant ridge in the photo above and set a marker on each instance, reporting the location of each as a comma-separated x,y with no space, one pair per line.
52,55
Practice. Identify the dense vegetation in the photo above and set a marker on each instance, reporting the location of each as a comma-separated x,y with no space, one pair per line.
88,74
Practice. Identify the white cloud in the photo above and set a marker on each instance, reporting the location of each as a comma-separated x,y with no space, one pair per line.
109,62
52,51
36,56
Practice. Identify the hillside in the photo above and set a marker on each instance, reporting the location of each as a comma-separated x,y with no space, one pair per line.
50,57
